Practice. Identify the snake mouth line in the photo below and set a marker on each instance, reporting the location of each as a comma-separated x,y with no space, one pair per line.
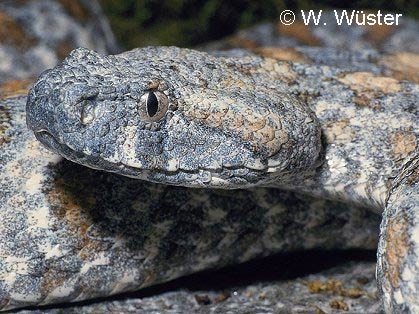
67,152
201,177
48,140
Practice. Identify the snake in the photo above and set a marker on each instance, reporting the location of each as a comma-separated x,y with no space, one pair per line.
187,118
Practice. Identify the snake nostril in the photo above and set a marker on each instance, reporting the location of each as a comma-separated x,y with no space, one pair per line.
85,105
87,112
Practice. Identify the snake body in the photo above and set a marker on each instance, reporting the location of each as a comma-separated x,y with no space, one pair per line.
184,117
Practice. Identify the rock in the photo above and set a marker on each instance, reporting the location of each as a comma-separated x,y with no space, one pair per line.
386,50
36,35
383,38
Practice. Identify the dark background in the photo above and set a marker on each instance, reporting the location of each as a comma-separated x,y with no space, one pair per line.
192,22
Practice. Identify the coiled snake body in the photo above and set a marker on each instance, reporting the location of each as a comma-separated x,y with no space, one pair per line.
183,117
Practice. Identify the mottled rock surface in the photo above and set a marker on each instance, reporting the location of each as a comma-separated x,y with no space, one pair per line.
386,50
36,35
384,38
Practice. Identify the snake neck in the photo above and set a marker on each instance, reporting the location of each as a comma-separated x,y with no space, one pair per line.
369,131
369,126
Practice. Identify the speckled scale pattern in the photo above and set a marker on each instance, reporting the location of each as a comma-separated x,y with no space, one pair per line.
211,124
368,123
351,284
254,125
370,128
398,250
70,233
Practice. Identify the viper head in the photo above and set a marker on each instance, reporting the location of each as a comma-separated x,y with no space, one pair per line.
174,115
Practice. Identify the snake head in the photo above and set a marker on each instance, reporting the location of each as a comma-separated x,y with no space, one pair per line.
175,116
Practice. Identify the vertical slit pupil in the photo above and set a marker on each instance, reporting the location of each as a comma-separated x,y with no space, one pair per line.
152,104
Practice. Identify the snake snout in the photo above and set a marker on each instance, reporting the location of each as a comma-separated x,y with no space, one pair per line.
39,113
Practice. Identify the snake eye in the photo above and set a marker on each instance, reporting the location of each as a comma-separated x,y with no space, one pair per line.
153,106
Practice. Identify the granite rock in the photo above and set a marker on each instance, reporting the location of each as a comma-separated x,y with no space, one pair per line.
383,38
36,35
